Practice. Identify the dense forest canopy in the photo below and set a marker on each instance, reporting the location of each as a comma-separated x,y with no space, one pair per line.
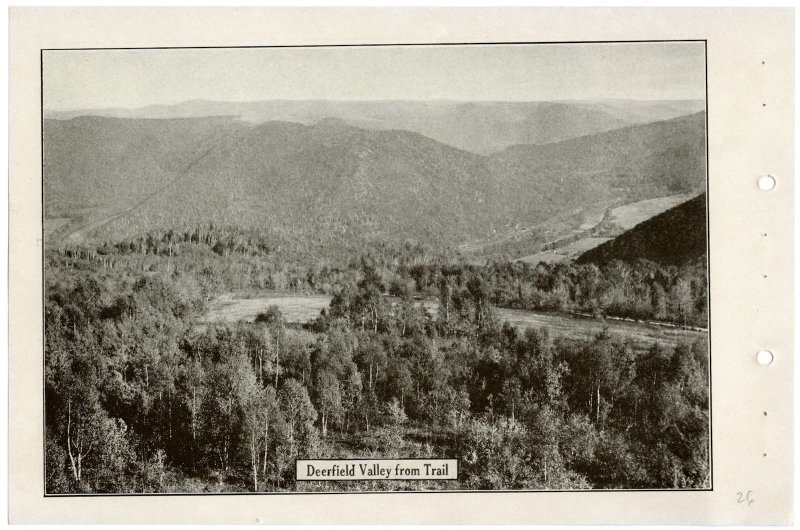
139,397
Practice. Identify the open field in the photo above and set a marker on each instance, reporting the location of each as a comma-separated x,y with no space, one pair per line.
550,256
622,217
296,309
558,234
630,215
300,309
591,218
573,250
640,334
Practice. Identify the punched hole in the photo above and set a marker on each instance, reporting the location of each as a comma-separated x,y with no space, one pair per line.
765,357
766,183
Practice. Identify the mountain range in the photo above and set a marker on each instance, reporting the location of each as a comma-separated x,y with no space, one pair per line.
119,176
482,127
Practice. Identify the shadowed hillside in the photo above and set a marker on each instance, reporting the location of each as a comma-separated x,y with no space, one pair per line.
674,237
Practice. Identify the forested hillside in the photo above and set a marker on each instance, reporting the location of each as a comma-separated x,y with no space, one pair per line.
334,178
101,162
634,163
343,181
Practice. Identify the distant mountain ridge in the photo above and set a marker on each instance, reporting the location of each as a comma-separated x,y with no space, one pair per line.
483,127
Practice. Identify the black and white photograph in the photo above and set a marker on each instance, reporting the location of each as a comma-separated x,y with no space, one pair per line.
376,268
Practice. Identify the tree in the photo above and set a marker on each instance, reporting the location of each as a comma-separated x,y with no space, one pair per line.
299,415
369,301
96,443
56,473
83,432
139,399
371,355
395,413
511,396
447,288
659,302
399,379
272,316
259,409
494,455
194,390
329,399
681,300
545,428
232,385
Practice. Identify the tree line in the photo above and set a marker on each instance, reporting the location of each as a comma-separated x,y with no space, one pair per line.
215,259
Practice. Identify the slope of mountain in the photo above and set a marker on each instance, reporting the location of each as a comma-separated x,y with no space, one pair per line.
106,162
671,238
480,127
125,176
615,167
335,177
285,176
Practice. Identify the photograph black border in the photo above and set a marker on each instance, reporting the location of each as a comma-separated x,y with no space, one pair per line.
432,491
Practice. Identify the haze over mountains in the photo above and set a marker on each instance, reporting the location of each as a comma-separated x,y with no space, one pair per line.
121,176
482,127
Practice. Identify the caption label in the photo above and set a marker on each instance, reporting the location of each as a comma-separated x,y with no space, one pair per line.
378,469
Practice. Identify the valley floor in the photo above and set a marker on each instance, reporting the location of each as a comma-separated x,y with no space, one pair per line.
302,309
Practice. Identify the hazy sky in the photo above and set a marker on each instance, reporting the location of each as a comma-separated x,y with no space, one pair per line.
135,78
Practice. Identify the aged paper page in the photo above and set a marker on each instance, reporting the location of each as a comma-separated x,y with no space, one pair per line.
401,265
